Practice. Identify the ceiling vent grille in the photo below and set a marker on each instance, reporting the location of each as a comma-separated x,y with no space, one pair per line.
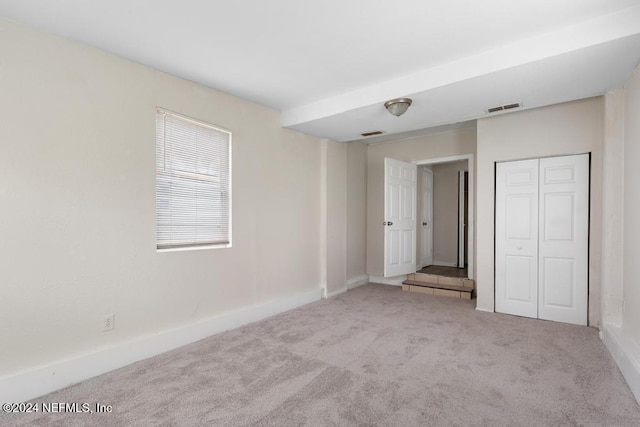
503,107
372,133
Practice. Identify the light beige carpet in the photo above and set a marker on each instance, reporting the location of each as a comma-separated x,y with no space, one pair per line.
373,356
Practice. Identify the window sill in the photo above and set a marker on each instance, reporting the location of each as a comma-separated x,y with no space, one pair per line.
194,248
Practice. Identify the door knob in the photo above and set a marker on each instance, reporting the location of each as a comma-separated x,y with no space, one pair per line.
424,223
389,223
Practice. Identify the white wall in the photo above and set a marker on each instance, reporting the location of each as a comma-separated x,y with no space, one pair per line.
631,285
612,209
356,210
621,292
77,190
445,144
569,128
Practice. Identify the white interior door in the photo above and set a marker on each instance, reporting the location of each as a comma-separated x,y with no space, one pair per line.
427,218
400,193
517,238
461,219
563,242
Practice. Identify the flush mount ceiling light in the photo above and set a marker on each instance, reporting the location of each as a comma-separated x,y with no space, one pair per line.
398,106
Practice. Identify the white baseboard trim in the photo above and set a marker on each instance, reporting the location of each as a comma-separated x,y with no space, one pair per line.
626,353
395,281
336,293
445,264
27,385
358,281
486,310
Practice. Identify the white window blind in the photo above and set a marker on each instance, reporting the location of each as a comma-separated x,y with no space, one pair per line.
193,197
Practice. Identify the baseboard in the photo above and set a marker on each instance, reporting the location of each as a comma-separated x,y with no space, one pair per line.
445,264
626,353
27,385
395,281
358,281
486,310
336,293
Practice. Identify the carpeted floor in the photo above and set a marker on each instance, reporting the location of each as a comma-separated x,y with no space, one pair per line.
375,355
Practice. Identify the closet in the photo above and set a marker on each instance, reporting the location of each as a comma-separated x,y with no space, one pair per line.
542,230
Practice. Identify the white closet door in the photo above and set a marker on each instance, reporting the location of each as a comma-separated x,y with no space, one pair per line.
563,242
517,238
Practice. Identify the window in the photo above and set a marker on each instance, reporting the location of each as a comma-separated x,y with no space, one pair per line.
193,183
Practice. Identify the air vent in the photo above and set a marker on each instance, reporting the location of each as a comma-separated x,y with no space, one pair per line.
372,133
503,107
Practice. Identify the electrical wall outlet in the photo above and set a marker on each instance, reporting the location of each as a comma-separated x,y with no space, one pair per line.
108,322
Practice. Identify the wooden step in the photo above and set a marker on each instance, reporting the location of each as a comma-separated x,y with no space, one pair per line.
442,280
454,291
437,286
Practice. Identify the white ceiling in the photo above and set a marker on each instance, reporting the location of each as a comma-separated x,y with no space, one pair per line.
330,65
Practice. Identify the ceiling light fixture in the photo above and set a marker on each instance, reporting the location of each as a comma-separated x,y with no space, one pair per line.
398,106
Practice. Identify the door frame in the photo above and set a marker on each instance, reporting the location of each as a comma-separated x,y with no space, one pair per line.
470,226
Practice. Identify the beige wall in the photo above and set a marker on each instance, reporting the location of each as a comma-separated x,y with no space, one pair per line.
356,210
77,190
570,128
445,144
336,216
612,209
631,286
445,212
620,328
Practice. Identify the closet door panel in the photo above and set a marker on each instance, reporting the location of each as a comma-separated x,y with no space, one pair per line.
563,244
517,238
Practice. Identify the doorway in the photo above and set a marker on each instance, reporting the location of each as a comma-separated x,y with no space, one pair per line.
402,218
442,215
445,217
